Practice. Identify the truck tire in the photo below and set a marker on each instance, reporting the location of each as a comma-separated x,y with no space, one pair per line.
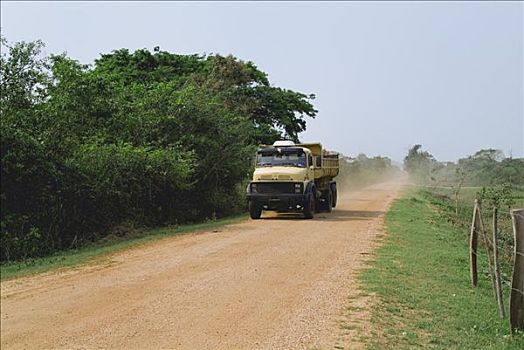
309,207
329,202
334,194
255,210
325,203
319,205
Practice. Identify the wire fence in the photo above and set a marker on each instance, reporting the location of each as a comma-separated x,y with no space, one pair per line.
493,246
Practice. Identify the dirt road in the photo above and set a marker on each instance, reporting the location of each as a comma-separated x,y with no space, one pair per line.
275,283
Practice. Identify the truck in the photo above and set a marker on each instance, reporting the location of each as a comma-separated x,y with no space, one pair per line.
291,177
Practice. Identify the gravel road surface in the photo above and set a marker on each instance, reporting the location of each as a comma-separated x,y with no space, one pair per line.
276,283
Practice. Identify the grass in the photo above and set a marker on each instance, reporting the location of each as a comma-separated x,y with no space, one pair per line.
421,277
76,257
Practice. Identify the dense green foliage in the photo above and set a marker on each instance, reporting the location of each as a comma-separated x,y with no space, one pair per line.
486,167
146,137
421,276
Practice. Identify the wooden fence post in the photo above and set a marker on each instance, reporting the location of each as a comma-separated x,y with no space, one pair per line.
488,246
516,301
498,283
473,244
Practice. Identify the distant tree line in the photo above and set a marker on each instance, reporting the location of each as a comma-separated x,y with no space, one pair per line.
362,170
151,138
487,167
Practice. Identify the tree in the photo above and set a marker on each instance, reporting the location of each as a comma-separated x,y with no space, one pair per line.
23,76
419,164
274,113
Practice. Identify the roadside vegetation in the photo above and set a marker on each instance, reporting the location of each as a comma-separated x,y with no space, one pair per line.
421,276
421,271
487,175
110,244
487,167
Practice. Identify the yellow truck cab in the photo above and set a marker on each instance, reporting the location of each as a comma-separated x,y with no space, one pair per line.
291,177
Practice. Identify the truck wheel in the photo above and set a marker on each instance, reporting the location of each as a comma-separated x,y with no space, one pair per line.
309,207
319,206
335,194
329,202
255,210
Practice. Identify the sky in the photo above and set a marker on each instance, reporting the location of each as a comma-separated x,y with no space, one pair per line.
387,75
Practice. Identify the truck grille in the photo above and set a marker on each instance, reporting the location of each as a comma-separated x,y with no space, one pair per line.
275,187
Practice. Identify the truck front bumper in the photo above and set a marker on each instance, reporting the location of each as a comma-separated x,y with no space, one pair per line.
278,201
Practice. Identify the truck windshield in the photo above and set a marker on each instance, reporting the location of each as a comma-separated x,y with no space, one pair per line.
277,159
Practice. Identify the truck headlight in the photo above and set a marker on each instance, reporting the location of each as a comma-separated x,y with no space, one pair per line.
298,188
254,188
